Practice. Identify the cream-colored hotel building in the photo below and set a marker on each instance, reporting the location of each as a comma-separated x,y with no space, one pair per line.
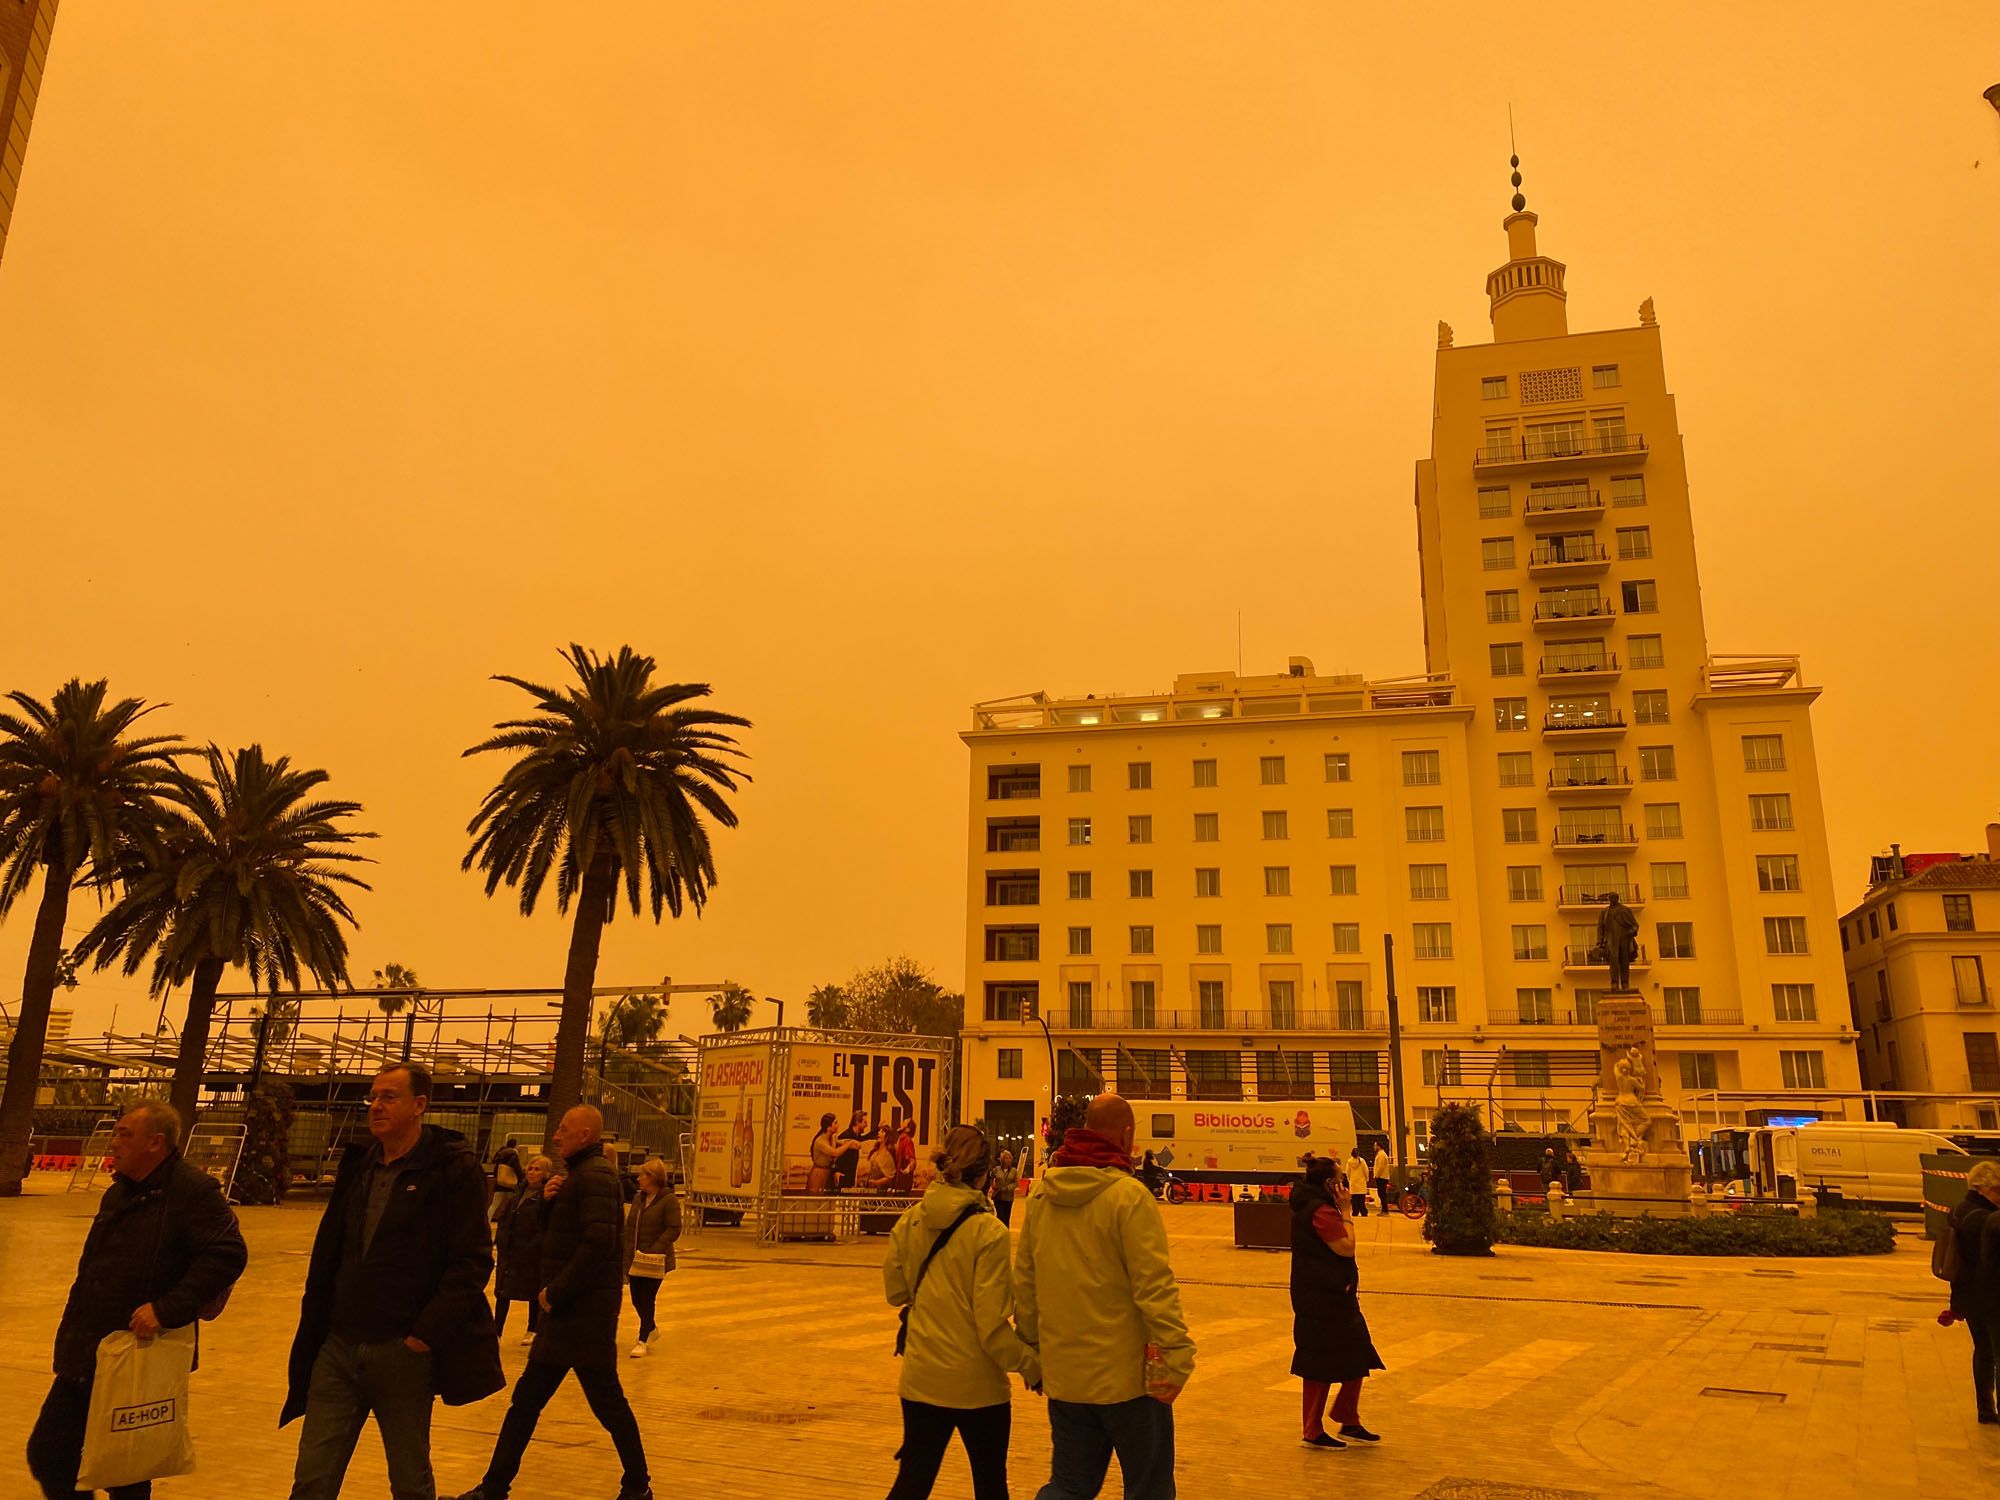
1187,894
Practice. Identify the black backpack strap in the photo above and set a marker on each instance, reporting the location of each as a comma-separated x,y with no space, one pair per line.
903,1328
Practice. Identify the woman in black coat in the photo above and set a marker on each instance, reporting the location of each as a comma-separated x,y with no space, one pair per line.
1975,1290
517,1249
1330,1342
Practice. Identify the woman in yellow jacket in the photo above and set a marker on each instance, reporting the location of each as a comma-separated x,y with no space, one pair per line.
960,1342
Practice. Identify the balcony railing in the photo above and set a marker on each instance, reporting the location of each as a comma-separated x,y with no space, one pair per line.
1706,1016
1554,668
1564,503
1589,781
1599,895
1557,616
1593,957
1224,1021
1014,791
1574,555
1565,448
1595,838
1612,719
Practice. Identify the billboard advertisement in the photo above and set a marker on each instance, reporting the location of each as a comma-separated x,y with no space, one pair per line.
729,1120
863,1088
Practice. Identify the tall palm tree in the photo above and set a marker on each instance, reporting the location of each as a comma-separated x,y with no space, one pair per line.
244,871
611,778
732,1008
826,1007
77,784
401,982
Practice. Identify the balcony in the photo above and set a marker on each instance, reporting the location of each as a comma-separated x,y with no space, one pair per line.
1585,725
1553,1018
1577,785
1595,897
1243,1022
1570,505
1568,451
1593,614
1611,840
1591,960
1701,1015
1574,560
1599,667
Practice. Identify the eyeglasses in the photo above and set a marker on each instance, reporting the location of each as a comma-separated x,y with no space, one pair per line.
386,1098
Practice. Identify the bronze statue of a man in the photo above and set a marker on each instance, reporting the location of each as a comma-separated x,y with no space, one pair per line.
1618,936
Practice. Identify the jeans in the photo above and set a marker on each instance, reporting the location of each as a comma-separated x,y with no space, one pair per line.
55,1447
645,1293
501,1304
927,1434
1985,1346
607,1401
350,1381
1083,1438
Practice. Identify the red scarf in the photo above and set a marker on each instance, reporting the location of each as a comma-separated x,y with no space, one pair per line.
1086,1148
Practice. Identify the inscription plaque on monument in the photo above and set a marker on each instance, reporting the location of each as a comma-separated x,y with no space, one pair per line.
1621,1025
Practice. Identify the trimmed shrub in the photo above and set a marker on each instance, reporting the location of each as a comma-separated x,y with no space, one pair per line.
1065,1113
1719,1234
1461,1220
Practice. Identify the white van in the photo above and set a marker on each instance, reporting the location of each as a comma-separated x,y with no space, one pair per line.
1232,1141
1876,1163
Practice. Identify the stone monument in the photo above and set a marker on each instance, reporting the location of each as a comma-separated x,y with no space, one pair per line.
1638,1163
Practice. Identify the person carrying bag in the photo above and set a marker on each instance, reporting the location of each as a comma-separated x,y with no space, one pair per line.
137,1429
652,1224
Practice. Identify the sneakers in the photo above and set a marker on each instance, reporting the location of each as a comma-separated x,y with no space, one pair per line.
1324,1440
1357,1433
639,1350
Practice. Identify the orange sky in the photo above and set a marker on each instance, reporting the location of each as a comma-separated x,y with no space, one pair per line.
867,360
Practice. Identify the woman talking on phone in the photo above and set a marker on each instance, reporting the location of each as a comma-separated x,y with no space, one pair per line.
1330,1342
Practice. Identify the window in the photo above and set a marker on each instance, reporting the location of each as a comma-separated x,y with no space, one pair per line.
1785,935
1676,939
1207,827
1142,939
1506,660
1429,883
1422,768
1891,912
1510,715
1639,596
1277,825
1345,881
1803,1070
1139,884
1440,1069
1494,502
1982,1060
1628,489
1079,1002
1554,439
1271,770
1139,776
1874,927
1208,938
1656,763
1423,825
1139,829
1079,942
1777,872
1771,813
1517,768
1145,1012
1079,830
1519,825
1882,1000
1437,1002
1763,752
1646,651
1493,387
1968,978
1649,706
1079,885
1496,553
1013,945
1008,1060
1634,542
1431,939
1204,773
1214,1075
1284,996
1079,778
1958,914
1531,941
1499,442
1535,1007
1794,1002
1843,941
1524,882
1209,1000
1208,882
1277,937
1663,820
1503,606
1346,937
1012,1002
1531,1070
1277,880
1698,1070
1680,1004
1337,767
1670,881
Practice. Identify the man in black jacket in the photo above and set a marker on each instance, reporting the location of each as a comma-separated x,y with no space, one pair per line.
582,1291
394,1310
163,1248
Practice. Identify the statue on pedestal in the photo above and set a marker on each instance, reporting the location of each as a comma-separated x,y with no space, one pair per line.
1618,936
1632,1115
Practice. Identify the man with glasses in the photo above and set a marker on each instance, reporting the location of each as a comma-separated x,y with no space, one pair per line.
394,1311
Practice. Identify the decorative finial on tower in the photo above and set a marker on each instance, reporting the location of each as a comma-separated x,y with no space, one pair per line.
1647,317
1514,161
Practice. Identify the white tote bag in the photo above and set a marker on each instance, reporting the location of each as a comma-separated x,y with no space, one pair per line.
138,1423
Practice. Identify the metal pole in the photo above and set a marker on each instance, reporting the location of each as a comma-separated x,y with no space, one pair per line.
1395,1051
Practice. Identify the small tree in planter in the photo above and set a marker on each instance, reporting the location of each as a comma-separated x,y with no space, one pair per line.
266,1169
1461,1220
1065,1115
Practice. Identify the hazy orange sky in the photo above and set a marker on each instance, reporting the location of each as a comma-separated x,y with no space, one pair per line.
868,360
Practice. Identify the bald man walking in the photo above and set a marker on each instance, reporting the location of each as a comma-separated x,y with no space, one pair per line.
1093,1294
583,1289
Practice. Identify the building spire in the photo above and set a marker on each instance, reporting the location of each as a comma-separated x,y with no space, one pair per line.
1514,161
1527,293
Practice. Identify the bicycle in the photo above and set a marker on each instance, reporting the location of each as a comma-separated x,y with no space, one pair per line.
1414,1202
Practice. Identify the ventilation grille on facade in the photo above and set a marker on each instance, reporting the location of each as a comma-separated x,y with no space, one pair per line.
1538,387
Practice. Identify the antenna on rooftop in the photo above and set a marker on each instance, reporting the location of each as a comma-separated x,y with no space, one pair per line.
1239,643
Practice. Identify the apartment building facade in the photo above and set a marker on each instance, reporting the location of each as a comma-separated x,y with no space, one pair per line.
1574,737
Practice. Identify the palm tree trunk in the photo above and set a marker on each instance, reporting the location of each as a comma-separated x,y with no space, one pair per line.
31,1028
192,1062
593,909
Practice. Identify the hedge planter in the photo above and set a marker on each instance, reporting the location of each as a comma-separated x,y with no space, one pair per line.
1733,1234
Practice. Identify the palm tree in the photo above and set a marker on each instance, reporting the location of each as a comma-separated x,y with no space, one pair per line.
609,783
826,1007
401,981
244,871
732,1007
77,784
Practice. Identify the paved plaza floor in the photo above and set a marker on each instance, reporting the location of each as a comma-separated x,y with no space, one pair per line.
1532,1374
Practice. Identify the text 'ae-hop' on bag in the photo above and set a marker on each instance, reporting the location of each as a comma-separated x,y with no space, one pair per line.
138,1423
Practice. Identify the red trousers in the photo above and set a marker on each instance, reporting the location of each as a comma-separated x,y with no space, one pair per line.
1346,1405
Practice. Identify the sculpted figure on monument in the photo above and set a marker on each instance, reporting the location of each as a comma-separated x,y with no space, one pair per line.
1618,936
1629,1074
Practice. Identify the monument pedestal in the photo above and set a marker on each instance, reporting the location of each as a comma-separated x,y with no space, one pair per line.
1657,1185
1635,1168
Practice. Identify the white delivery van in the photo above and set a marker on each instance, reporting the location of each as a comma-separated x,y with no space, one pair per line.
1232,1141
1876,1164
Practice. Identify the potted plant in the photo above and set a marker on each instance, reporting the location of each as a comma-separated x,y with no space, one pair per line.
1461,1219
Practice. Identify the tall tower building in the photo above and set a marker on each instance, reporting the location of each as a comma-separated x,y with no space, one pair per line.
24,52
1612,752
